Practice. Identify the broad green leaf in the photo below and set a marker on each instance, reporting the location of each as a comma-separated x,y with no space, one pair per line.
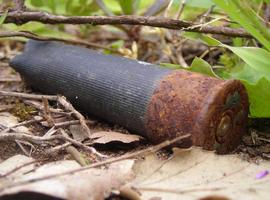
3,17
206,39
242,13
245,72
258,87
255,75
201,66
259,97
198,65
256,58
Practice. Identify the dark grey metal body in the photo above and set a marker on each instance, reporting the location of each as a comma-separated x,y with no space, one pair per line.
112,88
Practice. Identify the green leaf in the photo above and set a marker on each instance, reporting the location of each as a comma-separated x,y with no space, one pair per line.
171,66
255,75
206,39
198,65
117,44
259,97
201,66
3,17
37,3
256,58
199,3
243,14
127,6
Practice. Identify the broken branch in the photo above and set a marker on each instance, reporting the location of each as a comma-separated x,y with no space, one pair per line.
39,140
143,152
62,100
47,18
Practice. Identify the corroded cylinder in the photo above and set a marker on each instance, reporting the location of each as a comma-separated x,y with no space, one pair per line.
146,99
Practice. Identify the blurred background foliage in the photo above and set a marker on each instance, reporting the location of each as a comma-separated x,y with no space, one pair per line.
245,59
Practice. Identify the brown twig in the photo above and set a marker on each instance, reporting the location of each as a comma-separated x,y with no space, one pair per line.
26,137
79,144
181,9
46,18
28,96
72,122
68,106
10,79
58,148
39,106
62,100
31,121
40,140
20,144
30,35
180,191
47,113
143,152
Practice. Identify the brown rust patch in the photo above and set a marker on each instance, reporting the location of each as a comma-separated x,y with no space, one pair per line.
186,102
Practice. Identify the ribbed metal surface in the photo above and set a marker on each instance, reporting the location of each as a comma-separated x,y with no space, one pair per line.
112,88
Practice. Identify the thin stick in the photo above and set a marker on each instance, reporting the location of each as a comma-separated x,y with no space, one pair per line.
68,106
181,9
26,137
46,18
166,12
61,99
28,96
20,124
144,152
23,149
58,148
41,140
72,122
33,36
15,79
179,191
79,144
47,113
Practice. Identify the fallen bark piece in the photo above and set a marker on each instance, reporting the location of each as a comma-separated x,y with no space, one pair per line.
91,184
104,137
147,99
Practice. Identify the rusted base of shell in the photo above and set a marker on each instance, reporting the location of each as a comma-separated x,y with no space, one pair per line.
213,111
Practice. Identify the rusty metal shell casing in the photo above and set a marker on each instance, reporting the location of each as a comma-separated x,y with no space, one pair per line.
213,110
147,99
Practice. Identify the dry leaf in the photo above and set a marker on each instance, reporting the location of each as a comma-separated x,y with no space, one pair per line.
196,174
78,133
14,162
91,184
9,120
104,137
